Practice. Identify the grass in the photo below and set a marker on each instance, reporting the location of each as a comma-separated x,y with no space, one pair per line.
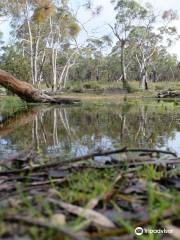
86,185
93,184
81,86
11,105
133,86
135,93
157,202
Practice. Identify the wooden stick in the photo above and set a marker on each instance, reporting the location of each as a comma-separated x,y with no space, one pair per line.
151,151
32,222
60,163
121,231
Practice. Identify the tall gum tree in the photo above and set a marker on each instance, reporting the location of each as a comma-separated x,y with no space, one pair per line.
24,13
129,14
25,30
62,28
41,25
148,40
144,45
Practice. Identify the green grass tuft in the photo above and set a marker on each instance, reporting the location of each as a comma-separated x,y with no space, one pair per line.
11,105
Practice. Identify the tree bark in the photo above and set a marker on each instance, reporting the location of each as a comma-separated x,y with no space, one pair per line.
143,77
124,77
27,92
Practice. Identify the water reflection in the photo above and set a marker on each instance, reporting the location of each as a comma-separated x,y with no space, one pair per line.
75,131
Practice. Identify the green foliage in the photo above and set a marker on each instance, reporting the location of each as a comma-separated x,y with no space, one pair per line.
45,10
86,185
158,87
11,105
57,27
73,28
80,87
129,10
75,87
92,85
13,62
67,24
127,86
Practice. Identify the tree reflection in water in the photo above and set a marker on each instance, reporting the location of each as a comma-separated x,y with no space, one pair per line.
73,131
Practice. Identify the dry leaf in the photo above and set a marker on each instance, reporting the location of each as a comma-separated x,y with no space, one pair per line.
58,219
93,216
94,202
6,187
175,231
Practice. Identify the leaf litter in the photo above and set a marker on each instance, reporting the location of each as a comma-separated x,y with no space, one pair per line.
102,195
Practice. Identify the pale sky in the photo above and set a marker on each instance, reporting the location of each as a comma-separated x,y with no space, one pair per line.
98,25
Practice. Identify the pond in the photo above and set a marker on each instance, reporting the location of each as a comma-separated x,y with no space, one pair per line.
78,130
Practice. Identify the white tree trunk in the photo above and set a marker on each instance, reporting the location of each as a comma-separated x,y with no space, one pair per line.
64,74
54,68
36,49
143,77
60,81
31,51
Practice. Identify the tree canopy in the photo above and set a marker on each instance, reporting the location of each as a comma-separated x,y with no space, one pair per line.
46,51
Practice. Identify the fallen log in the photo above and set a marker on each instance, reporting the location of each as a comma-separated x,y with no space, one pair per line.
168,94
27,92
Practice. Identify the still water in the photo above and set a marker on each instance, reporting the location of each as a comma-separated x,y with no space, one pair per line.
77,130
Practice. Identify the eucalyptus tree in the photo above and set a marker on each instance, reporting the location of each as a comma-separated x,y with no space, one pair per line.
148,40
166,66
40,26
144,45
129,14
26,30
114,61
63,27
13,62
98,47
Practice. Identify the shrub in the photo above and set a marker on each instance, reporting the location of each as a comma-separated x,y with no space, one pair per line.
13,62
11,105
75,87
91,85
159,87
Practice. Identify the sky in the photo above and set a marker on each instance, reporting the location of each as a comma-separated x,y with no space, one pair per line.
107,16
99,25
166,5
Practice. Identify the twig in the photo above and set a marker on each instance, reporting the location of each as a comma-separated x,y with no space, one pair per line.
42,183
60,163
32,222
120,231
91,215
151,151
33,185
